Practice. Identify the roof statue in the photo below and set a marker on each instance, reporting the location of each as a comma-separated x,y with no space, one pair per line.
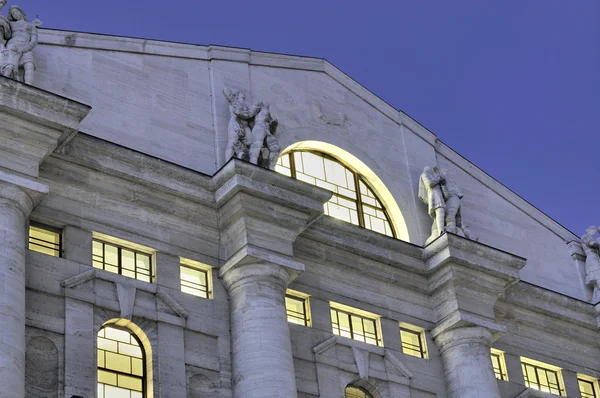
443,199
590,242
251,131
18,37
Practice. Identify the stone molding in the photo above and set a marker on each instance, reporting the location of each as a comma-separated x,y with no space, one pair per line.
34,124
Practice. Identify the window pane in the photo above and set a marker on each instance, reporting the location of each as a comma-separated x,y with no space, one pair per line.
296,312
44,241
124,261
587,389
120,364
412,343
328,173
194,281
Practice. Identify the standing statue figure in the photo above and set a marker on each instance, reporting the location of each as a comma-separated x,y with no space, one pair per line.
265,149
591,247
443,199
251,131
24,38
239,131
430,193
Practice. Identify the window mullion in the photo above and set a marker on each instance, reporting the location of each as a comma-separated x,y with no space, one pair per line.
359,208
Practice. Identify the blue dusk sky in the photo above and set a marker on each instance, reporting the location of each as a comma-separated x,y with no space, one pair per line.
512,85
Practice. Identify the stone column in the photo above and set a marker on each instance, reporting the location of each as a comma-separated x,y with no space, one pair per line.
15,206
261,213
261,348
466,357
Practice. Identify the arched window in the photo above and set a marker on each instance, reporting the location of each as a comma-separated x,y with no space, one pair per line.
353,199
354,392
121,364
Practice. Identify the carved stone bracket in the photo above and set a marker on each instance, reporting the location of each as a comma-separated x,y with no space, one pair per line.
125,290
364,355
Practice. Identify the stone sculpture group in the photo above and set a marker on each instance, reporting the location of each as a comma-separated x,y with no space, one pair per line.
251,131
18,37
443,199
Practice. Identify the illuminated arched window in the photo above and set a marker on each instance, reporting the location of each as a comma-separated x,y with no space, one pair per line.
121,364
353,199
354,392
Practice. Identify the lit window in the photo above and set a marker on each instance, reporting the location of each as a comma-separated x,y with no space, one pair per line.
498,364
297,308
355,324
413,341
44,239
353,392
353,200
541,376
123,260
195,278
121,364
588,386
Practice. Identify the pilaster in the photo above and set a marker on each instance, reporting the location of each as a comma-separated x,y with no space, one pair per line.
465,280
260,215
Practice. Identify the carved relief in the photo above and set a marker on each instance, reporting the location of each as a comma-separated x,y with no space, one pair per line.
443,199
317,111
251,131
41,368
18,37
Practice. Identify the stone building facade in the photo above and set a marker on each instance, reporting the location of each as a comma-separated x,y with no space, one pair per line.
214,277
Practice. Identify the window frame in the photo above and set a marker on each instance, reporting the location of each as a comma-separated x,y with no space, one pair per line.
197,266
420,332
304,298
363,315
547,368
122,245
590,380
358,178
502,372
144,377
48,228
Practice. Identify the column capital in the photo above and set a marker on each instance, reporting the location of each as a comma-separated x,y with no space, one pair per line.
263,209
252,264
33,124
449,338
21,192
465,280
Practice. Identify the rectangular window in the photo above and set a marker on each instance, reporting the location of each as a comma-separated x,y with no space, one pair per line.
588,386
123,260
541,376
413,341
297,308
354,324
195,278
45,239
498,364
